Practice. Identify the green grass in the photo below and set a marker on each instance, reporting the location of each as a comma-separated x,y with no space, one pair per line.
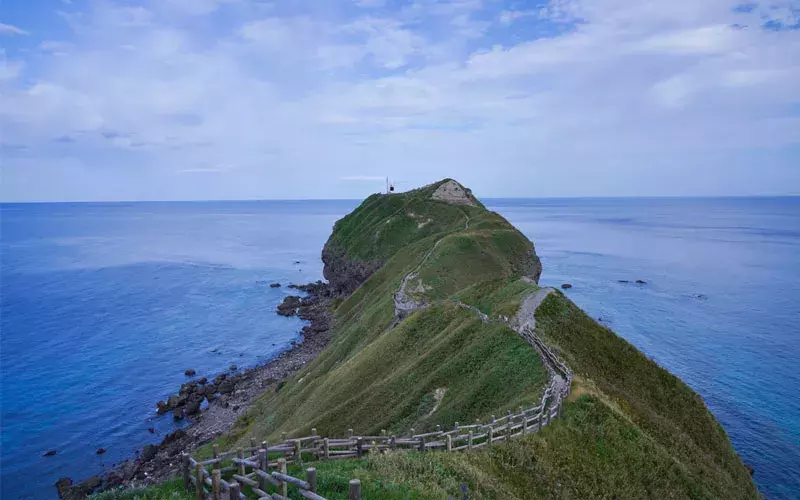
498,297
169,490
656,401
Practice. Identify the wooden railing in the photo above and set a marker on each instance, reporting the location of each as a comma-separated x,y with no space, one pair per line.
257,468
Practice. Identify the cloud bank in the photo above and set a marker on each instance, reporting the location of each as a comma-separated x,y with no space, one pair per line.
221,99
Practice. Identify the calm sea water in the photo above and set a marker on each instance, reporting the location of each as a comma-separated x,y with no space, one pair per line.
105,305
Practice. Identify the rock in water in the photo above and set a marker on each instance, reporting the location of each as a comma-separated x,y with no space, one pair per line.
177,413
275,285
100,451
641,282
49,453
189,372
566,286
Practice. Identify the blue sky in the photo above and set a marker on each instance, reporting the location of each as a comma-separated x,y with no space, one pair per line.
242,99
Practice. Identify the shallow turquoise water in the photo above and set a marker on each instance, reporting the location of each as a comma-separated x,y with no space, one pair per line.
105,305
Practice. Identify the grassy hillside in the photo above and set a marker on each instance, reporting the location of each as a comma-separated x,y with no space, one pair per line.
631,431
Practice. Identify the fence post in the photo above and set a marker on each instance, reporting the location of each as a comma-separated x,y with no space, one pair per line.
311,479
297,456
359,447
469,440
349,433
438,428
240,456
355,489
284,488
491,435
215,477
252,442
234,491
325,450
373,446
493,419
383,432
262,459
214,450
455,426
412,432
283,437
421,444
524,424
393,443
198,482
186,472
313,432
449,440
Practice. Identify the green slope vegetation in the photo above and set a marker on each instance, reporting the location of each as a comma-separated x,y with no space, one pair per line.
635,432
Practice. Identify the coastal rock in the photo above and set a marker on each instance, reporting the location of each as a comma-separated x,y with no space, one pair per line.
193,405
151,430
275,285
750,469
100,451
189,372
173,402
177,413
289,305
623,281
188,387
227,387
163,407
148,452
641,282
566,286
202,381
233,368
49,453
343,274
173,437
68,491
219,378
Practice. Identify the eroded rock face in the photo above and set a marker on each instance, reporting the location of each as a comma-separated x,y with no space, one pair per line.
345,275
455,194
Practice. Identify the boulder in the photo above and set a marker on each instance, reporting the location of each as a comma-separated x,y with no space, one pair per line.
173,437
193,405
227,387
149,452
177,413
233,368
163,407
219,378
566,286
189,373
188,387
173,402
69,491
49,453
275,285
100,451
202,381
641,282
289,305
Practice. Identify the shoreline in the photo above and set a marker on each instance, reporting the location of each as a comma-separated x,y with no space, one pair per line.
159,462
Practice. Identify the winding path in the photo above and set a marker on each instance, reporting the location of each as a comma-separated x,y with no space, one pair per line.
524,323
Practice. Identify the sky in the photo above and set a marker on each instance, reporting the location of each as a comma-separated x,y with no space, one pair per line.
104,100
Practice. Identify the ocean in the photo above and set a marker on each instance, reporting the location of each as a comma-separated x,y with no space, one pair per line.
104,305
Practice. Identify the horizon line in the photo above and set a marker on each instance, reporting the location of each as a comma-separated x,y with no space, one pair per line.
593,197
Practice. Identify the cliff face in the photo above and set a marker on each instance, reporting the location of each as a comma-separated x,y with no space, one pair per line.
344,274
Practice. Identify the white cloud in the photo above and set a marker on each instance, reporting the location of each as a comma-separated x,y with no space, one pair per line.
7,29
301,96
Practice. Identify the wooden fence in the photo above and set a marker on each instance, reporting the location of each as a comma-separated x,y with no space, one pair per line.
258,469
261,468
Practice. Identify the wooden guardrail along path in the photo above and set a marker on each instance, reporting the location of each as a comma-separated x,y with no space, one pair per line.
256,468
